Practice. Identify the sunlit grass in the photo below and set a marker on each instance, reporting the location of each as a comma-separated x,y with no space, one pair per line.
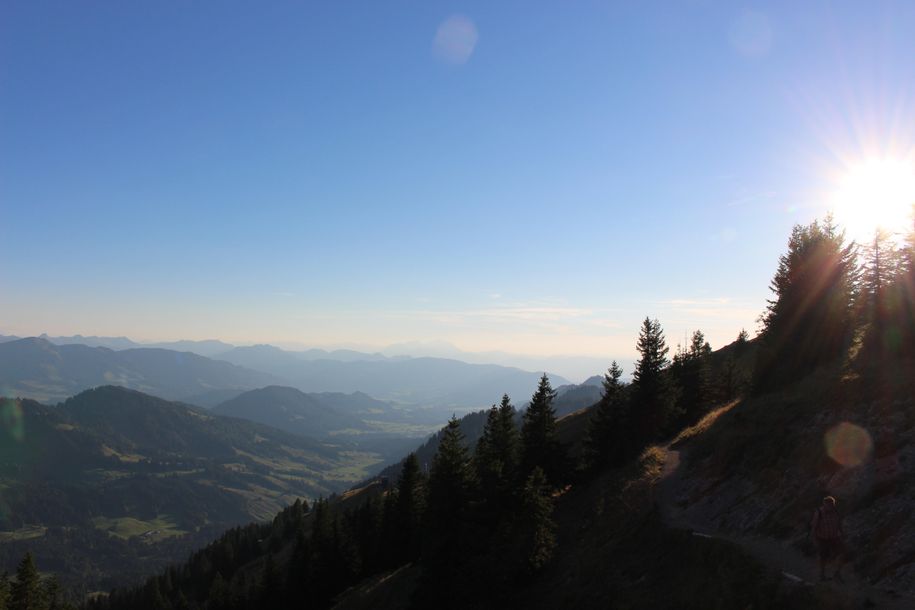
703,424
27,532
129,527
131,458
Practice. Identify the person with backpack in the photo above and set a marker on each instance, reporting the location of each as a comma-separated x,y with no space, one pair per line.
827,529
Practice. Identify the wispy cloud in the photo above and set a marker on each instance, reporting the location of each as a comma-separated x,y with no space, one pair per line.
715,308
508,313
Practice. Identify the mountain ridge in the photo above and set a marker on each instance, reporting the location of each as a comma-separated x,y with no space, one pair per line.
36,368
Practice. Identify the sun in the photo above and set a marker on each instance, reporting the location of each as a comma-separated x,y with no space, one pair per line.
877,193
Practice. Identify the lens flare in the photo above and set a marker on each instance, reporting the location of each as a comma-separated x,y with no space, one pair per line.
11,421
456,39
848,444
751,34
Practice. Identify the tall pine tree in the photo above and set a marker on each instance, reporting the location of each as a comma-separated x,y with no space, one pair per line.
606,439
446,544
653,397
450,480
26,593
409,507
537,528
692,372
906,290
496,455
539,445
811,319
4,591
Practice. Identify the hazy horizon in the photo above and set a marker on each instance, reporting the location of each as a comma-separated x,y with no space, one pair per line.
574,368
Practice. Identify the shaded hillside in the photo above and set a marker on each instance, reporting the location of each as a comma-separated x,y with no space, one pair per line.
753,472
211,398
572,398
290,410
433,382
761,467
366,424
112,481
620,544
569,399
612,550
38,369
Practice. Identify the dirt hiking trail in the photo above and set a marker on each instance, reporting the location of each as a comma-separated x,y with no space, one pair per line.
775,554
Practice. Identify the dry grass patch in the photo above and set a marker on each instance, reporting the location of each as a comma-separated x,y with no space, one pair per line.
703,424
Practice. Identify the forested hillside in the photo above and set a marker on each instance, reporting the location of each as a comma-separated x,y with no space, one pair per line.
112,482
593,510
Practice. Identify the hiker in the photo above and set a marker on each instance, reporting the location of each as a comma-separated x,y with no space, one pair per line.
827,528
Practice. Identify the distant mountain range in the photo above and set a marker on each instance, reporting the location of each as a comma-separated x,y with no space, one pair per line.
113,480
38,369
41,369
202,348
433,382
566,366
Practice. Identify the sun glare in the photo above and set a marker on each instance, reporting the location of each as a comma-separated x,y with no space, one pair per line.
877,193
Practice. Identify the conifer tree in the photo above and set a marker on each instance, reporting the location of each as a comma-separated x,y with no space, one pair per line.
445,543
880,263
653,406
539,446
729,384
450,479
906,292
881,302
324,542
811,319
218,597
52,594
154,600
391,540
731,380
605,441
269,589
410,505
691,371
538,529
26,593
496,455
299,572
4,591
483,458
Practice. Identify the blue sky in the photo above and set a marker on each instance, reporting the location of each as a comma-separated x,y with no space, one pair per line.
525,177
